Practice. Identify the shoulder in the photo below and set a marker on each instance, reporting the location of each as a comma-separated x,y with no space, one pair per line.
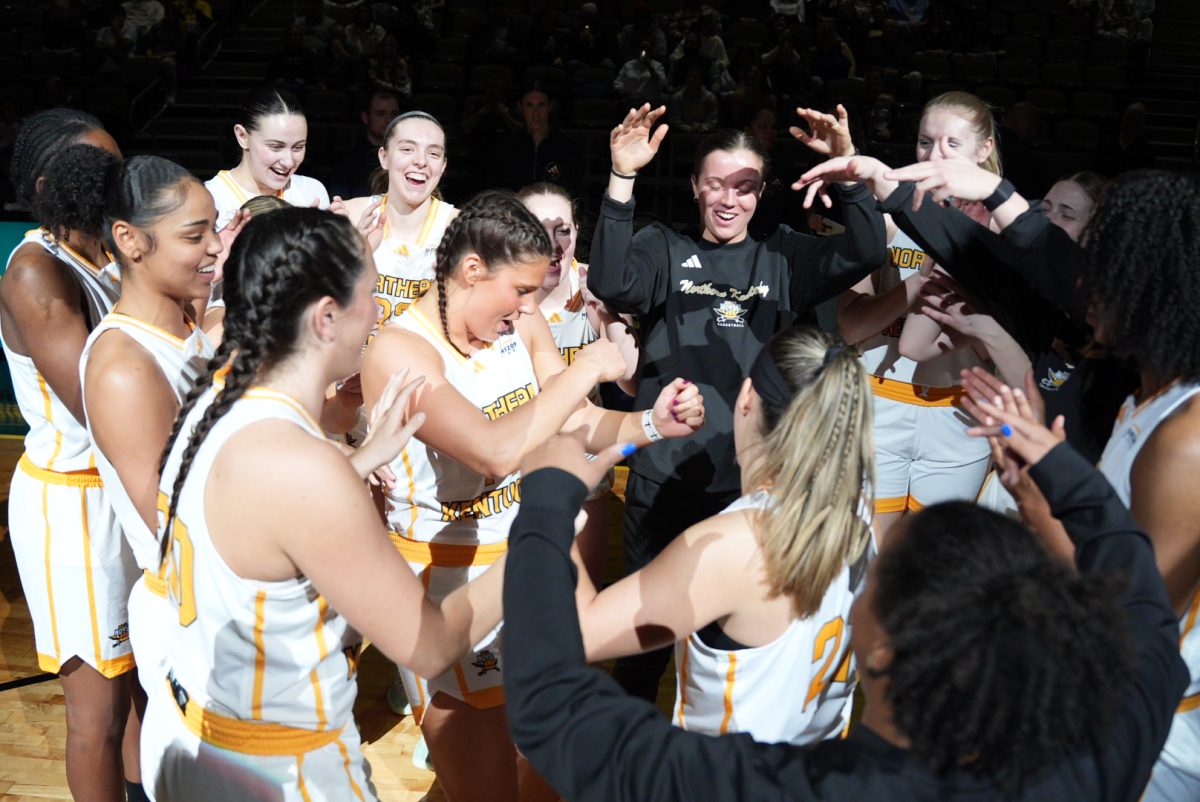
725,536
355,206
395,347
264,450
1173,449
36,276
310,188
119,365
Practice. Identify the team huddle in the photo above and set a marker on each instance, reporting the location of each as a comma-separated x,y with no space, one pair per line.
268,426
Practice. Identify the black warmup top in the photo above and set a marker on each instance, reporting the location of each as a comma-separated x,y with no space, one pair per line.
706,310
1028,279
593,743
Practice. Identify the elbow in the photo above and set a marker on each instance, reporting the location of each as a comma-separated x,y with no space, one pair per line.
909,350
501,462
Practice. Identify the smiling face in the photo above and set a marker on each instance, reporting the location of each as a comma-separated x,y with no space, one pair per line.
727,192
1067,206
180,249
948,134
559,222
497,298
274,150
415,158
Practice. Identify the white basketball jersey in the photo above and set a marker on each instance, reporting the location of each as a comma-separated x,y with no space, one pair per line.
244,648
406,267
229,195
437,497
1133,428
881,352
56,441
796,689
181,362
569,323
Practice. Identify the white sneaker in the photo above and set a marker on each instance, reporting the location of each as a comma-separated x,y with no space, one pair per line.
420,757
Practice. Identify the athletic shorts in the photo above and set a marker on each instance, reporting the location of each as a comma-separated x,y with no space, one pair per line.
923,454
151,617
478,677
245,761
995,496
76,569
1176,775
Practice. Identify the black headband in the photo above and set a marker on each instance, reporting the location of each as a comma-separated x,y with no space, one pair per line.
769,382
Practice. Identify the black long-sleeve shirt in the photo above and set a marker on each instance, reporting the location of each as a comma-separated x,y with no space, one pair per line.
595,744
707,309
1028,279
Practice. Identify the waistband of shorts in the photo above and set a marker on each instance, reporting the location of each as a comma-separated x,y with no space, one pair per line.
262,738
917,394
154,583
88,477
447,555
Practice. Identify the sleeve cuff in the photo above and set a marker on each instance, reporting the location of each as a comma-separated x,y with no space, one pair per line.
1061,470
616,209
854,194
900,197
553,491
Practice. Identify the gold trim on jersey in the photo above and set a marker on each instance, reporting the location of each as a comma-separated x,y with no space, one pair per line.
151,329
730,679
154,583
917,394
447,555
261,738
89,477
683,680
240,192
434,332
260,393
426,224
79,257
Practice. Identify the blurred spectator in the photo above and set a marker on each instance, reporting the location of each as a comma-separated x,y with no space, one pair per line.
1127,148
753,93
783,63
489,116
642,79
643,35
912,11
792,9
688,55
538,152
117,39
712,47
879,126
777,204
144,14
352,174
316,28
832,58
388,69
693,108
364,35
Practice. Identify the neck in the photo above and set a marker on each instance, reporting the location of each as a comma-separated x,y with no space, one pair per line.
303,378
88,245
538,135
747,457
1150,386
145,304
456,328
377,141
245,179
557,296
877,716
404,218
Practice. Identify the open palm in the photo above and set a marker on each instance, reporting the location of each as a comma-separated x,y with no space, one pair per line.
632,143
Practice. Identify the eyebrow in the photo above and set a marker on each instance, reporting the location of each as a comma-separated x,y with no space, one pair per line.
196,223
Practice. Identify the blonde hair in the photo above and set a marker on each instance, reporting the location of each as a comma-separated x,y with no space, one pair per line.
979,115
818,460
261,204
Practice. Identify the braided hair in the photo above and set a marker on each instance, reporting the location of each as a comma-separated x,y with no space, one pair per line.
1003,659
1138,263
72,194
279,265
141,192
41,137
497,227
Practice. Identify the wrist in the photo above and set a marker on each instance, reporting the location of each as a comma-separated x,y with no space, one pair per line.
649,428
1000,194
622,173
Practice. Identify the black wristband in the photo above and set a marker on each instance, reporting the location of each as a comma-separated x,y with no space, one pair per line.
1003,192
613,170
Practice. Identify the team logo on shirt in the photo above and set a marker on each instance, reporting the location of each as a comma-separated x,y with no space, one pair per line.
120,635
730,314
509,401
1053,379
692,261
486,660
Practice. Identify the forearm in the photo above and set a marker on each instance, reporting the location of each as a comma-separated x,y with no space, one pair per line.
606,427
615,275
1010,360
339,414
864,316
923,339
861,249
512,436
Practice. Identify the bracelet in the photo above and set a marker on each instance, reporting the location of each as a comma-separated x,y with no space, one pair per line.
613,170
1004,190
649,428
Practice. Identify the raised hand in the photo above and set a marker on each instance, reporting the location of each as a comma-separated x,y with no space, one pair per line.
841,168
634,142
604,357
830,135
227,235
946,178
679,409
389,427
567,451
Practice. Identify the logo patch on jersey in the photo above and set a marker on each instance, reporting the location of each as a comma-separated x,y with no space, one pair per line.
509,347
486,660
120,635
908,258
402,250
1053,379
692,262
730,314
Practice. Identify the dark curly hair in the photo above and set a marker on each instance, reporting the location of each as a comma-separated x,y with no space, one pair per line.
1140,252
495,225
279,264
1003,660
73,190
141,192
39,140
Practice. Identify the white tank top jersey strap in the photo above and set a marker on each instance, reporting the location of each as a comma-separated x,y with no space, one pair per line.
435,496
796,689
56,441
569,323
1176,775
229,195
246,650
406,266
881,352
181,362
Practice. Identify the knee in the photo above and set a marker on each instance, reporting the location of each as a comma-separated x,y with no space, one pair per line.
96,721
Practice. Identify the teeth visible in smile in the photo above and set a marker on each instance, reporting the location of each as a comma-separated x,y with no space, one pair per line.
209,269
726,216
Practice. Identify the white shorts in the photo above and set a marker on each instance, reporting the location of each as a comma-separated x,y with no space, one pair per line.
150,617
923,453
178,766
76,569
1176,775
995,497
477,678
